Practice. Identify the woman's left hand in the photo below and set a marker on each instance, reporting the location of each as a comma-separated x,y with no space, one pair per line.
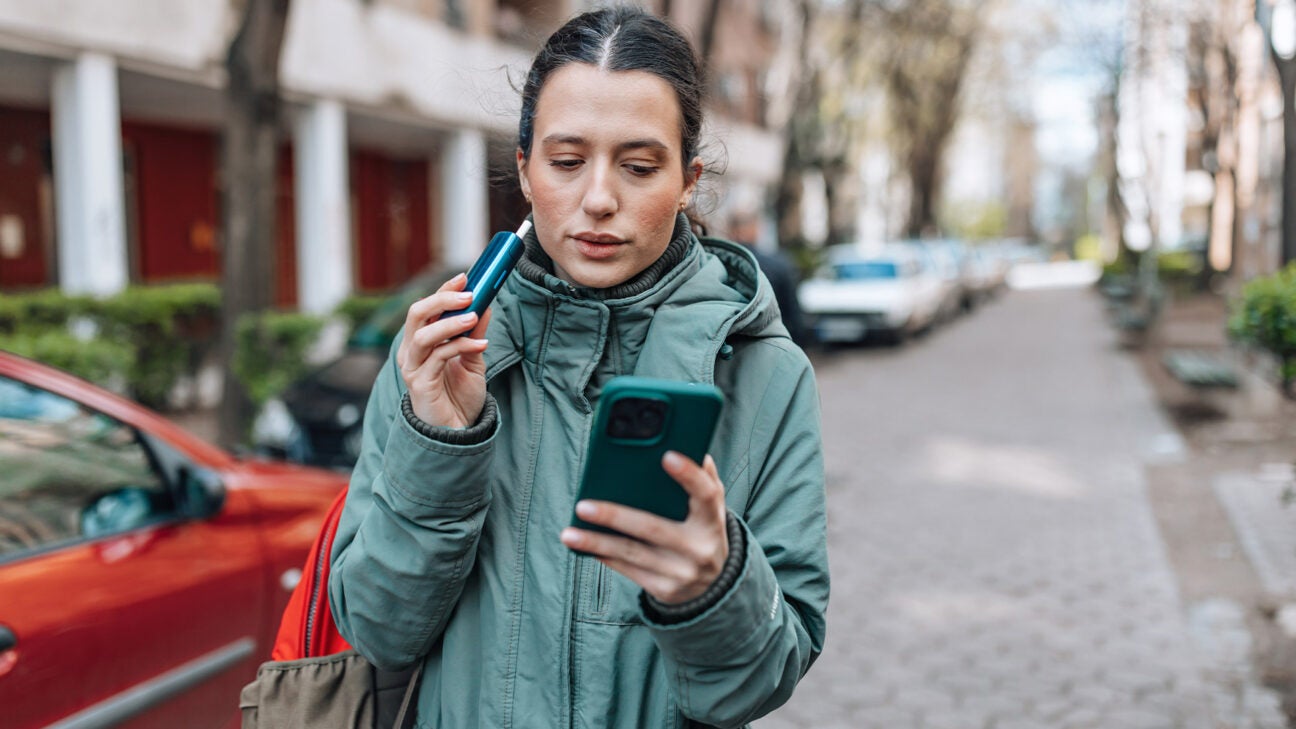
671,560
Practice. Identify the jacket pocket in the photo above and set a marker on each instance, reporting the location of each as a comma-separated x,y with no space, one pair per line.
607,597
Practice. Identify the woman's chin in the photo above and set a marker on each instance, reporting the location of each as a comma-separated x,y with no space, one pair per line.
598,277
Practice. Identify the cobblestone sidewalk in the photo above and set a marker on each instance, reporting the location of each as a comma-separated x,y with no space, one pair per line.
996,563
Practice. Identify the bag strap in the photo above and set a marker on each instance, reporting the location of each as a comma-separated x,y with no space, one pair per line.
409,695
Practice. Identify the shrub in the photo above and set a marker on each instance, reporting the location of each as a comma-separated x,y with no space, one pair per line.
271,351
41,310
102,361
358,309
167,331
170,328
1265,316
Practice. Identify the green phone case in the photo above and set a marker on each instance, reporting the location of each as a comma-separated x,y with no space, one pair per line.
629,470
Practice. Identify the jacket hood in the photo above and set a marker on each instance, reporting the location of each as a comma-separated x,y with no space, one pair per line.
674,329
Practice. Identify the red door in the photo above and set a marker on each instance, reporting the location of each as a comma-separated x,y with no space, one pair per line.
174,177
25,225
391,218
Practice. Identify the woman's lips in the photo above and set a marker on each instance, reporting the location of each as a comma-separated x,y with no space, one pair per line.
598,249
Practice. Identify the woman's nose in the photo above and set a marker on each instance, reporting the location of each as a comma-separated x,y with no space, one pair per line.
600,197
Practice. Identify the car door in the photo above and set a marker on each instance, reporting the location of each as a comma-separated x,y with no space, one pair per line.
115,609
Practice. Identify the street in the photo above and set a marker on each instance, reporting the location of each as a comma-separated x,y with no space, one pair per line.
995,558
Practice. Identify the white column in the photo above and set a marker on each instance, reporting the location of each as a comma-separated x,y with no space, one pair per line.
88,187
323,207
465,206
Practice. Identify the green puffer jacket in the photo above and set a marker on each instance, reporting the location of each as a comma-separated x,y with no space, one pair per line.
449,554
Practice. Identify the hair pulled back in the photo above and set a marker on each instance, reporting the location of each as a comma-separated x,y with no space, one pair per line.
622,38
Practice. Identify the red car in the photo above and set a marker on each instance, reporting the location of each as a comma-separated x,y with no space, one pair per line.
143,572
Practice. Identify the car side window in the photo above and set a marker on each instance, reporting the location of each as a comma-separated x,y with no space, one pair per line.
69,473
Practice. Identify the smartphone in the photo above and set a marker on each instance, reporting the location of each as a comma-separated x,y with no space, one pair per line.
638,419
487,275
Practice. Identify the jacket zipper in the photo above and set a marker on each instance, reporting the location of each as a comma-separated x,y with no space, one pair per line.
325,547
600,589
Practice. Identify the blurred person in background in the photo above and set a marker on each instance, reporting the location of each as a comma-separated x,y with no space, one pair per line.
744,227
453,551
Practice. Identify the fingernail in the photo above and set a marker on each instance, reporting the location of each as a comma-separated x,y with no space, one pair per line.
570,536
482,342
673,461
464,295
585,509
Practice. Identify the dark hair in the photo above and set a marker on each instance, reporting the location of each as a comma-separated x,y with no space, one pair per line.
621,39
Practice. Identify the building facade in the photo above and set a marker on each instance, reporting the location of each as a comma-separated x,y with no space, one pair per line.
397,152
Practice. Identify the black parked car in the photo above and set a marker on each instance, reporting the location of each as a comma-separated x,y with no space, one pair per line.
318,419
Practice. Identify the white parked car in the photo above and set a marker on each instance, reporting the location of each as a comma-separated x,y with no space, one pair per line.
860,293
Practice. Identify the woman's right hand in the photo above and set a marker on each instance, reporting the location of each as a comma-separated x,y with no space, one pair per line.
446,376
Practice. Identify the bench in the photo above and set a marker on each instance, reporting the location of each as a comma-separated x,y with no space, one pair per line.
1200,369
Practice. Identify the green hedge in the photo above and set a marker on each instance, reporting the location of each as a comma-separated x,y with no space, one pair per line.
271,351
98,360
41,310
171,329
167,331
1265,316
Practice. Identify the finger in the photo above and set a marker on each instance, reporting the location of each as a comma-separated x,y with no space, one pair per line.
449,297
614,546
654,584
698,483
461,347
709,465
430,336
641,525
479,331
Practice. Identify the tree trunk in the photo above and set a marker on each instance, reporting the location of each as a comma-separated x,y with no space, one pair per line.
796,157
707,35
248,155
1287,76
924,179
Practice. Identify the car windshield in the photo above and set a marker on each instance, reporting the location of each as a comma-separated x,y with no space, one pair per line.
865,270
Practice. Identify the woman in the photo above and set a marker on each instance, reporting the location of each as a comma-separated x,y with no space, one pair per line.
453,550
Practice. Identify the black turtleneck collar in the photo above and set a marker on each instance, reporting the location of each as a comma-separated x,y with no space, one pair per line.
538,268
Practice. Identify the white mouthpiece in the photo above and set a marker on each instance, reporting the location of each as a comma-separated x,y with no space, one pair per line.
526,228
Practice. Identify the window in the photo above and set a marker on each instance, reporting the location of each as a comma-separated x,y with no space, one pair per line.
69,473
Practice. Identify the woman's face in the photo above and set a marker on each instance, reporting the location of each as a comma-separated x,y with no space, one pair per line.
605,177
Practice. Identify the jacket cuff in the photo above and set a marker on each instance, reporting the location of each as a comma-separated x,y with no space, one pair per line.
663,613
478,432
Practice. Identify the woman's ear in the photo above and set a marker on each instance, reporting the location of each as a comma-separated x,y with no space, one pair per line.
692,174
522,175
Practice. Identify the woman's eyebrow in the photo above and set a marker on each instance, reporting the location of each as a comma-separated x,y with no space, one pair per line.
563,139
632,144
649,144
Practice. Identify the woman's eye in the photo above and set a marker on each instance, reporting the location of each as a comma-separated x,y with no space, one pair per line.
641,170
565,164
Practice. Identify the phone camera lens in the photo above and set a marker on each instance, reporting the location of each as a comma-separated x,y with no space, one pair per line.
620,427
650,420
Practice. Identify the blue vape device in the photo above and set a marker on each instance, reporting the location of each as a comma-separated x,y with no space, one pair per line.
486,277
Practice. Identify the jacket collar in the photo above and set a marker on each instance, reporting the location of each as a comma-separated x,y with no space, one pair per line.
673,327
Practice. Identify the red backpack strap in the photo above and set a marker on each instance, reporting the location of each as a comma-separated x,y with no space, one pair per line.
307,629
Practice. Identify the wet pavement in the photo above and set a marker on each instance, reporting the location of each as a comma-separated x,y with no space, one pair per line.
996,562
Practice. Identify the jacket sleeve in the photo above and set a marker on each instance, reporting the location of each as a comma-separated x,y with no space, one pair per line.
408,535
741,658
